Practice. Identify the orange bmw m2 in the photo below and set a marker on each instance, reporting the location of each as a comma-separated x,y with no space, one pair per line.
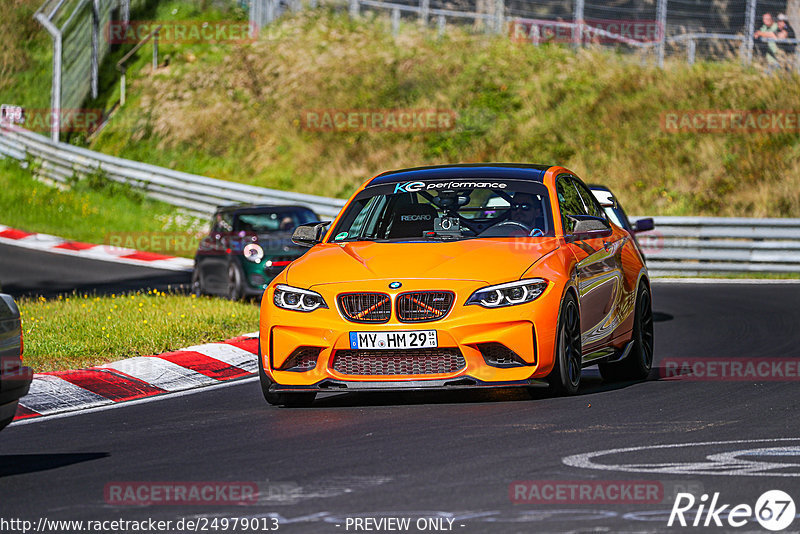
458,276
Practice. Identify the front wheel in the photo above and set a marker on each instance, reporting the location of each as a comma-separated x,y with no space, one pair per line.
565,378
197,282
639,361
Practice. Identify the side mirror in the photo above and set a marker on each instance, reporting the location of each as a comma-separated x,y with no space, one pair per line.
643,225
308,235
589,228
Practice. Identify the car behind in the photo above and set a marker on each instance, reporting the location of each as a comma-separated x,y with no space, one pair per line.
15,379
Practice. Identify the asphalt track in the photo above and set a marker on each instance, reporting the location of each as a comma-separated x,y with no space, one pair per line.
448,455
25,272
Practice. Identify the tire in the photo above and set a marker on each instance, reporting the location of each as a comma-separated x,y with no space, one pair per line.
640,359
197,283
235,287
5,422
565,378
277,399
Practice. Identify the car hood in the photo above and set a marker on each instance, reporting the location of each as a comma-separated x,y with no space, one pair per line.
485,260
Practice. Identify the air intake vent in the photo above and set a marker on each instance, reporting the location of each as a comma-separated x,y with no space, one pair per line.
366,307
301,360
498,355
422,306
398,362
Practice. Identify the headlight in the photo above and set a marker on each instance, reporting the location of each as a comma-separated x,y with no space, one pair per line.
253,252
293,298
509,294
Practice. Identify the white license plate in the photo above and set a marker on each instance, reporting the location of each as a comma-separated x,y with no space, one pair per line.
406,339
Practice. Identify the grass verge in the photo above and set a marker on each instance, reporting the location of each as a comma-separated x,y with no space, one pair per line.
238,112
78,331
95,210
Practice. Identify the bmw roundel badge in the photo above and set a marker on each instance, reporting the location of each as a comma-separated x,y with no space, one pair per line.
395,285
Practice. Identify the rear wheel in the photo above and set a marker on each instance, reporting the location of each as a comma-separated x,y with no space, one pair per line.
640,360
565,378
235,287
293,399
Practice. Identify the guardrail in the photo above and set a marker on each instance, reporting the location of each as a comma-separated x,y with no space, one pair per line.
722,244
198,194
682,245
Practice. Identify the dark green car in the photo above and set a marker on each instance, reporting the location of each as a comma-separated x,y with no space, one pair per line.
246,247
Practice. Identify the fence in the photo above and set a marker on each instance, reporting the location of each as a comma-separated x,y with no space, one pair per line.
678,245
689,28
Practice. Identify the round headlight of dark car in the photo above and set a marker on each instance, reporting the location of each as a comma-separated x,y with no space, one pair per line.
253,252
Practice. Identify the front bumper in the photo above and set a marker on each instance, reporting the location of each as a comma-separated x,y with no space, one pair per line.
331,385
528,330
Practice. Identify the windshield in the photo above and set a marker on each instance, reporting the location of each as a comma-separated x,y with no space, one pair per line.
447,211
272,221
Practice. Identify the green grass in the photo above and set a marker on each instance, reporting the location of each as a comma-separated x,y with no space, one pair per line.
233,112
94,210
77,331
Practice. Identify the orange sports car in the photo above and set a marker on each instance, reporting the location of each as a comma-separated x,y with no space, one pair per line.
458,276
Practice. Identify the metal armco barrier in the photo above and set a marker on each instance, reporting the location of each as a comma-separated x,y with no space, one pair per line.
679,245
722,244
198,194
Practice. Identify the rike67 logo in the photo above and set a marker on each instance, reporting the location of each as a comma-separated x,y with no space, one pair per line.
774,510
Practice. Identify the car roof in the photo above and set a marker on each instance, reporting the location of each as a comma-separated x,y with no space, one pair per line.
257,208
507,171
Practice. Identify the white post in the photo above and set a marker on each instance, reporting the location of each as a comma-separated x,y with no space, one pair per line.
499,15
690,48
577,31
395,21
750,28
354,7
441,24
95,47
122,90
55,91
424,10
661,16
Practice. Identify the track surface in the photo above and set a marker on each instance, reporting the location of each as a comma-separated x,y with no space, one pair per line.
25,272
405,455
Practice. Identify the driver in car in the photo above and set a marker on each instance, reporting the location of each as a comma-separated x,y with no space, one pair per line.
527,211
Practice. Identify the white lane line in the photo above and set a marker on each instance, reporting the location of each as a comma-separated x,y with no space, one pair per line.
160,373
229,354
49,394
145,400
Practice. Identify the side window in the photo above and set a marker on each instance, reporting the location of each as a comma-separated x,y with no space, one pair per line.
569,202
592,206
